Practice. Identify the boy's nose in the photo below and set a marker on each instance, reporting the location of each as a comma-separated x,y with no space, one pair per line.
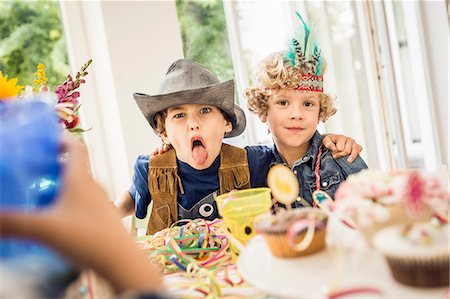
193,125
296,112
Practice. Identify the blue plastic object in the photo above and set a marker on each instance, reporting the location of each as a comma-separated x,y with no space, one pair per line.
29,147
30,174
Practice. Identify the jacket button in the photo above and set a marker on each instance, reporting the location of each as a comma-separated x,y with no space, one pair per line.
324,184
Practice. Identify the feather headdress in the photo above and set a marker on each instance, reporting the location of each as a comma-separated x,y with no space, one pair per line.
305,56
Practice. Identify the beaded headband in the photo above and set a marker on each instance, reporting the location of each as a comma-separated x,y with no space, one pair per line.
305,57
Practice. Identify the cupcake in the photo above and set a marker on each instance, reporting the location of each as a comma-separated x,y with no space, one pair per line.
418,254
293,233
373,200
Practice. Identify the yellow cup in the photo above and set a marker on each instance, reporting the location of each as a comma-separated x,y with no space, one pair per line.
239,210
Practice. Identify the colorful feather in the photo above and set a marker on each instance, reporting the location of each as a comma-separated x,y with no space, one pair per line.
304,52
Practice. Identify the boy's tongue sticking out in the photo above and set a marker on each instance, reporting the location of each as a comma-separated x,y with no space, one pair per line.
199,153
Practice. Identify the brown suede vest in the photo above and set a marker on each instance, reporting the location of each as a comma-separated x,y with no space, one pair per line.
163,183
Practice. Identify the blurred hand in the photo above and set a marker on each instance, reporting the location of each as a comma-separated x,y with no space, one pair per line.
342,146
85,226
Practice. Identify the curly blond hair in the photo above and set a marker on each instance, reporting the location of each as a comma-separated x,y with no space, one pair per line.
275,73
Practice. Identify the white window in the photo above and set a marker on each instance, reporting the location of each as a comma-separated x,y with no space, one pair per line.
377,68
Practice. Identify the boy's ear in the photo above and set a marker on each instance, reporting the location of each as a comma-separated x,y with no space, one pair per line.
228,127
165,138
263,117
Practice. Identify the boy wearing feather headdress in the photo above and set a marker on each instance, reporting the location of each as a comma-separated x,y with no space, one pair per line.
289,98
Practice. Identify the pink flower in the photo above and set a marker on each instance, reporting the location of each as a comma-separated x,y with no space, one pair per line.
62,91
68,104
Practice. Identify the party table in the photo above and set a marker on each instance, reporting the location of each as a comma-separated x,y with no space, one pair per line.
347,268
268,277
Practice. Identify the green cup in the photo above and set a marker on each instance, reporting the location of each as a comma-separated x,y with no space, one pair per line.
239,209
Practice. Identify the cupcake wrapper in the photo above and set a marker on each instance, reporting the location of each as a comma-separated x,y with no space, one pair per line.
279,246
420,272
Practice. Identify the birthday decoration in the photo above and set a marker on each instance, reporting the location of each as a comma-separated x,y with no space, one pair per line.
283,183
190,247
199,248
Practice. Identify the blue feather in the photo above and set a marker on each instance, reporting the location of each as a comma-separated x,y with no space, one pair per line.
304,52
319,64
290,55
306,31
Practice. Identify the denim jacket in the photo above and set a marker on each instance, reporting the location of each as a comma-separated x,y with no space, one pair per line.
332,171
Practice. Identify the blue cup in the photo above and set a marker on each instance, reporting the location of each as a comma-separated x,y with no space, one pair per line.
29,147
30,174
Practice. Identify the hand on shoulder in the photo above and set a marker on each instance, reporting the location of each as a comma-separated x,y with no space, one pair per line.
341,146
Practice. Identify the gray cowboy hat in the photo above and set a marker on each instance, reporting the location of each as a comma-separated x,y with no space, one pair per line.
187,82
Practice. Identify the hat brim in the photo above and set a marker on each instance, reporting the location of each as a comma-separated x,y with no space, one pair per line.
220,95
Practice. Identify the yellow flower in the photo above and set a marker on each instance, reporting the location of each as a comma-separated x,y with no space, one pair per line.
8,88
41,77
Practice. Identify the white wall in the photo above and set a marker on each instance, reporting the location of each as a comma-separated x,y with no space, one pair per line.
132,45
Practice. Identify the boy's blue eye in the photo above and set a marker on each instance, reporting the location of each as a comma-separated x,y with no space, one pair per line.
179,115
205,110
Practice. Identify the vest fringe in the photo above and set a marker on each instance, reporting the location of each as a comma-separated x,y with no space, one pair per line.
236,177
162,180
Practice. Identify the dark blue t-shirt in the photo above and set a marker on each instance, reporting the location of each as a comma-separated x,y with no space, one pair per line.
197,184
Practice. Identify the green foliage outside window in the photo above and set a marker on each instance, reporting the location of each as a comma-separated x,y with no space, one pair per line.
31,33
204,34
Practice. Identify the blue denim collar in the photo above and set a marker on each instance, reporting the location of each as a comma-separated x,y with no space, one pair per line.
310,156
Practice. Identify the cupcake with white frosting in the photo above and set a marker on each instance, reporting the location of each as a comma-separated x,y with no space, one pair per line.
373,200
418,254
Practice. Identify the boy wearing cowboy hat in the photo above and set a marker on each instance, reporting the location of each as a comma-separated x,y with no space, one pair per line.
193,112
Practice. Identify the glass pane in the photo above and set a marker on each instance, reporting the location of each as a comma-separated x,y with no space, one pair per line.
31,33
204,35
404,76
411,82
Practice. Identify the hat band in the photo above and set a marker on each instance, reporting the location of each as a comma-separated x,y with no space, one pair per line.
310,83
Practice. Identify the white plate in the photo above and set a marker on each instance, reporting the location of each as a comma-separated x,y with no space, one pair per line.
312,276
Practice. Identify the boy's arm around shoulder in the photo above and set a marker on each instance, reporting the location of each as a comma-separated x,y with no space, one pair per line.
350,168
